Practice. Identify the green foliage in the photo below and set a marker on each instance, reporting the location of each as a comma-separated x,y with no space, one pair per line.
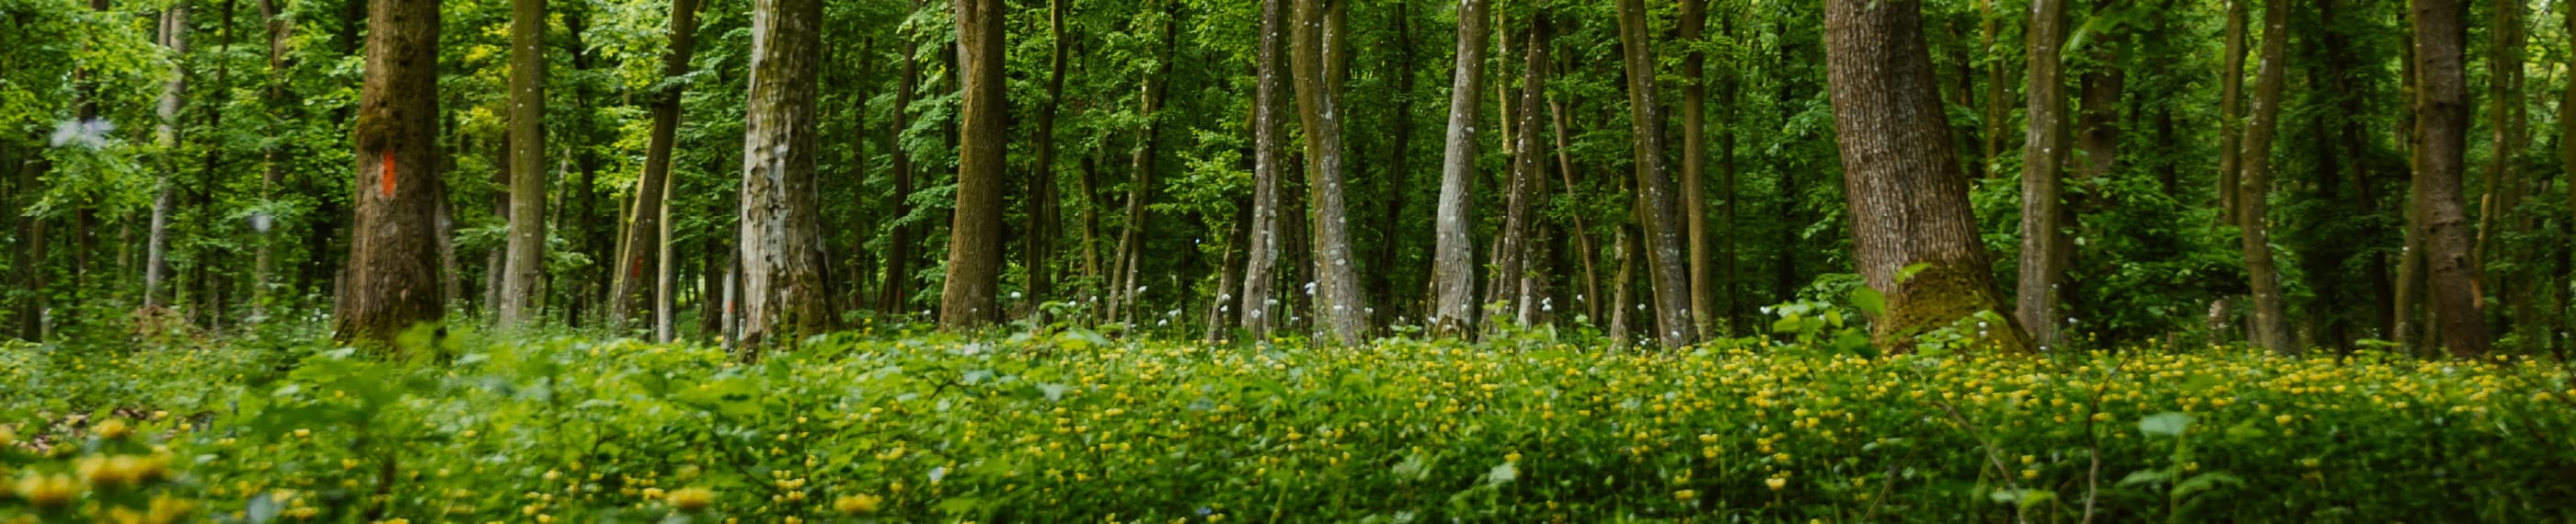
1063,424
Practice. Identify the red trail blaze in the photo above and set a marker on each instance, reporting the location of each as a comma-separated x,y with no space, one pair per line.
385,183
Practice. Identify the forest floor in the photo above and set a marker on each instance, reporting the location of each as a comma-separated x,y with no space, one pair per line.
1068,425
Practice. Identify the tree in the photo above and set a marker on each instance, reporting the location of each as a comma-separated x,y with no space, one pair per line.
2231,82
1038,245
2045,246
1514,250
156,265
2270,328
2442,112
647,231
781,252
1269,156
975,233
1914,236
1693,22
392,276
521,282
1340,310
1453,274
1659,221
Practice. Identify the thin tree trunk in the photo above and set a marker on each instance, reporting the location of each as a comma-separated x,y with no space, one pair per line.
2270,328
1694,197
1269,155
392,276
784,294
644,230
899,241
1038,247
156,265
1909,201
2504,86
1998,86
2231,82
1453,271
1528,184
2407,332
2443,114
2044,244
1659,225
967,299
527,240
1585,254
1340,310
1728,89
1127,296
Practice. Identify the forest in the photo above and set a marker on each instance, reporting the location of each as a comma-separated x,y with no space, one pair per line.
785,260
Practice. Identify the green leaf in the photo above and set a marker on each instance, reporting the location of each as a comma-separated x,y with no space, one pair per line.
1869,300
1908,272
2168,424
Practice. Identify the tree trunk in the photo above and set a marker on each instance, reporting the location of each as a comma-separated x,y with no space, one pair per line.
2231,82
392,276
1397,179
272,173
1453,269
2270,328
1909,201
782,286
1340,310
1126,297
1585,254
527,242
2504,86
1038,248
2567,230
156,265
1527,183
1998,87
1694,21
966,301
899,242
2045,246
2443,114
1659,223
1728,92
643,246
1269,156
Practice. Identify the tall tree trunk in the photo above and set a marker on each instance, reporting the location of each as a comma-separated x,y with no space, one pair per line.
966,301
784,295
1660,221
1269,157
644,232
1038,247
1998,86
1909,201
1394,184
2504,87
2441,42
1585,254
392,276
2097,136
156,265
899,242
1453,268
520,281
2270,328
2231,82
1694,197
32,312
1340,310
2044,242
2410,262
2567,229
1126,298
272,172
1513,250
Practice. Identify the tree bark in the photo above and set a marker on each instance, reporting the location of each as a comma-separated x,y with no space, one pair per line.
1453,270
1038,246
1694,197
643,245
2231,82
1660,222
520,281
1909,201
2504,86
781,252
392,276
2443,114
1585,254
1340,310
966,300
898,265
156,266
1728,89
1513,249
1269,156
2270,328
1398,177
2045,246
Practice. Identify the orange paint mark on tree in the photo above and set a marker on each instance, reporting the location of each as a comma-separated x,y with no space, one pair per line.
385,183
